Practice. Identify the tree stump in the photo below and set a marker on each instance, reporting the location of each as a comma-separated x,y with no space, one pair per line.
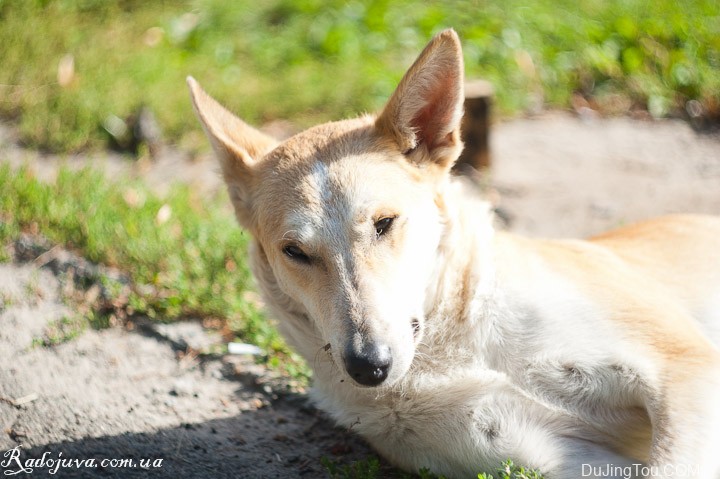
475,127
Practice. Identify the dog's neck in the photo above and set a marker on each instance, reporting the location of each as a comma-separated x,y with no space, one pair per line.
462,285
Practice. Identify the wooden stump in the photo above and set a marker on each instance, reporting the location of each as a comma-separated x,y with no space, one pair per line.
476,126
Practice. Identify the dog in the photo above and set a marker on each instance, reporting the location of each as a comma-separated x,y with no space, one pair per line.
450,346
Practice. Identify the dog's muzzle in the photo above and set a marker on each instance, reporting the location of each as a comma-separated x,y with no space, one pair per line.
370,366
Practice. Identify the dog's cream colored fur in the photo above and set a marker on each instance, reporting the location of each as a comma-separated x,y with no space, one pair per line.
557,354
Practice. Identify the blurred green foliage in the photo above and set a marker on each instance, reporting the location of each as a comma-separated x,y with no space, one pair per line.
317,60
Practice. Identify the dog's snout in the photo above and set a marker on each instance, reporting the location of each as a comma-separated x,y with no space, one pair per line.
370,366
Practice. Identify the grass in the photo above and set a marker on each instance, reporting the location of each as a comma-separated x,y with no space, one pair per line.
366,469
61,330
185,255
316,60
511,471
371,468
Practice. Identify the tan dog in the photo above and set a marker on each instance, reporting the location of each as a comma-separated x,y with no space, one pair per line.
449,346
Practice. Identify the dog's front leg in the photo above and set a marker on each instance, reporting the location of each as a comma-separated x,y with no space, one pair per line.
686,419
474,424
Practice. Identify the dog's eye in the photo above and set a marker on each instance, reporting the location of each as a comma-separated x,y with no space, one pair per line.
295,253
383,225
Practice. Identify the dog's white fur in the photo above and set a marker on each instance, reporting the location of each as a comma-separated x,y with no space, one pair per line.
553,353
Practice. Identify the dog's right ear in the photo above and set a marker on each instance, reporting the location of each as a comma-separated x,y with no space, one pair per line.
237,145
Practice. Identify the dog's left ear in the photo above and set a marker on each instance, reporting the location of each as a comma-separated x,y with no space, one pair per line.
423,115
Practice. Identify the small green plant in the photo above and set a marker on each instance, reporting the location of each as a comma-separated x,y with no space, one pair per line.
425,473
6,299
364,469
510,471
61,331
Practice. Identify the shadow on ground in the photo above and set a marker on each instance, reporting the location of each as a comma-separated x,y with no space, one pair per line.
286,439
116,394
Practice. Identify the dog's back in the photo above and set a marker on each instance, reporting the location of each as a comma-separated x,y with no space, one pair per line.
681,253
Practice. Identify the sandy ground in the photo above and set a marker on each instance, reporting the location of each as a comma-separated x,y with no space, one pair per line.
133,394
560,176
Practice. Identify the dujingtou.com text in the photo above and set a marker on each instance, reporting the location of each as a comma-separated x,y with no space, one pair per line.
640,470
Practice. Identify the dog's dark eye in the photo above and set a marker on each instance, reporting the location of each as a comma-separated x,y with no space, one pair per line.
383,225
295,253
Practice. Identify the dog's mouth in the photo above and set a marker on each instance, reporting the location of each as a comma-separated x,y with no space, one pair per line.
372,376
370,365
416,328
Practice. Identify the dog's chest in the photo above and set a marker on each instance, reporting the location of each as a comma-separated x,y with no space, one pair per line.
558,348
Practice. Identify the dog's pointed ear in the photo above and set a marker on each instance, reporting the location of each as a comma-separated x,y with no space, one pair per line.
423,115
237,145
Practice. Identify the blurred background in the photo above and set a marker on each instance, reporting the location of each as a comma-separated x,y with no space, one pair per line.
70,68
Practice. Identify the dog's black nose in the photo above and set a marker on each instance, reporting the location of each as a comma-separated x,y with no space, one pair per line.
370,366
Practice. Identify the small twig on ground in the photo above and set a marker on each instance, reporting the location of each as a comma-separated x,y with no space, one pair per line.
46,257
21,400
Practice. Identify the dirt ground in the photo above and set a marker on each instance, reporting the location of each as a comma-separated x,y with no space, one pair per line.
133,394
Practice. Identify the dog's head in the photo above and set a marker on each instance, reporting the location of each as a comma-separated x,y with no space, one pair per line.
347,215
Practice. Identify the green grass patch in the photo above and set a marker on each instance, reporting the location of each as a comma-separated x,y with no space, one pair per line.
371,468
185,254
511,471
61,331
365,469
317,60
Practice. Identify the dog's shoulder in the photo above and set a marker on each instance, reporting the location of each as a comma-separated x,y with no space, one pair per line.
671,231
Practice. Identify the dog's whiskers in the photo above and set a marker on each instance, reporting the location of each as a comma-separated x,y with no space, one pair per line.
324,355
